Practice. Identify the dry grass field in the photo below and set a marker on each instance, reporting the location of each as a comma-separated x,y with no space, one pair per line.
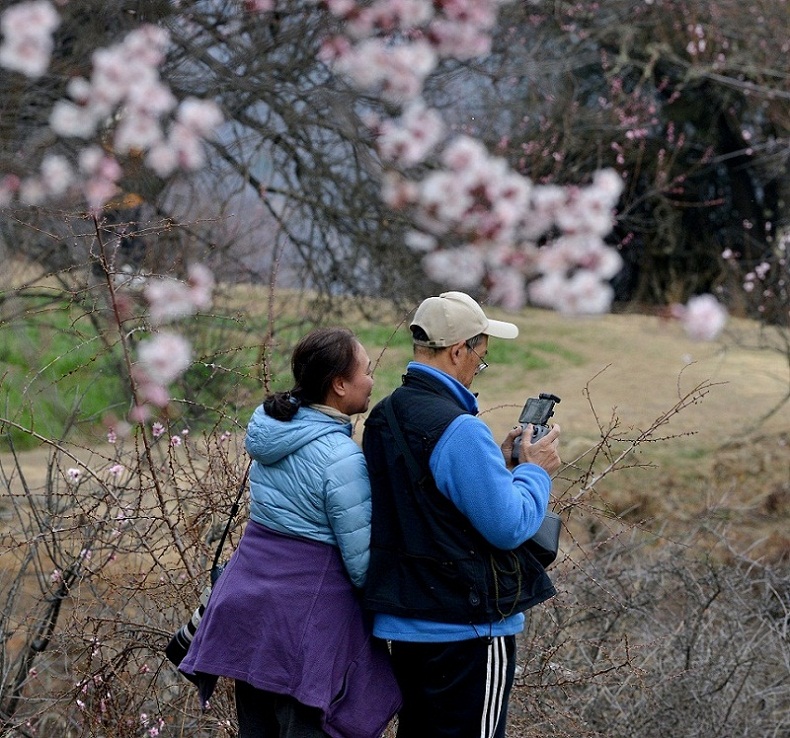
724,459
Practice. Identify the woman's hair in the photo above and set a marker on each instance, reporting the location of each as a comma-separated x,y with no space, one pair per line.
319,357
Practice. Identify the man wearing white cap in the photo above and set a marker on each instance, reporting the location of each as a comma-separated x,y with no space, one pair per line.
449,579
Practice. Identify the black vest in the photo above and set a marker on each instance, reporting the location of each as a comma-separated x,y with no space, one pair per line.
426,559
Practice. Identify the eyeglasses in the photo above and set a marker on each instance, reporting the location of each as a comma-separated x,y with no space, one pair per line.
482,366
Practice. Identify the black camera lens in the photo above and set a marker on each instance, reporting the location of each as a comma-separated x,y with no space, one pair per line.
177,648
179,643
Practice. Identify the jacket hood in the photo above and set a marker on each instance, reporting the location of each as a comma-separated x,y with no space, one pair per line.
269,440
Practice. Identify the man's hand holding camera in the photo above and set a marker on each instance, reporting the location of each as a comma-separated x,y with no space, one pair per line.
533,440
544,452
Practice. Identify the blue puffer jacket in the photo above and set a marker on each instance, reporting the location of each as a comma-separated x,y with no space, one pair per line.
309,479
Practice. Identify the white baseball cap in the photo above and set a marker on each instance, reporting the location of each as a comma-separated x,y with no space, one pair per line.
454,317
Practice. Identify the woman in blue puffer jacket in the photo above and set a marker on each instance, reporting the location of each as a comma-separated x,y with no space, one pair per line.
284,619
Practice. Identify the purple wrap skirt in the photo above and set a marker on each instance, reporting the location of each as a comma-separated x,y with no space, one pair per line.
285,618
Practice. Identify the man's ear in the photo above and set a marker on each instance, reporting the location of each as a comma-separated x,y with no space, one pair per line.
456,351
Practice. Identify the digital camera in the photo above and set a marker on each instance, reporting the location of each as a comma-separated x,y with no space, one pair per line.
537,411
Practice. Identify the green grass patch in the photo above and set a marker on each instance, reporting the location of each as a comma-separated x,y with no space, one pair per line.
56,373
527,355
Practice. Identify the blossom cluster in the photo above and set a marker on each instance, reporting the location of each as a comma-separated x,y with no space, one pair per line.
125,105
27,37
391,46
124,96
166,355
161,359
481,222
478,221
153,728
170,299
766,282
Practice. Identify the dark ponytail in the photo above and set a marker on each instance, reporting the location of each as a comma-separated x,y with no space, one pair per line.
282,405
319,357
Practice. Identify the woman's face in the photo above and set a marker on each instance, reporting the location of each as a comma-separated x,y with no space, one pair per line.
359,385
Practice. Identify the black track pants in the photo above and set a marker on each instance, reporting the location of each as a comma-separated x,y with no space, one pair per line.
454,690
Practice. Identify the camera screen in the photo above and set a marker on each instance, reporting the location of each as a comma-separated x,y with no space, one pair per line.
536,411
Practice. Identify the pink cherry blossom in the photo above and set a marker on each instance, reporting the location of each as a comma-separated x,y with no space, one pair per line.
507,288
407,141
69,119
187,146
148,44
398,71
149,392
442,201
116,470
703,317
162,159
585,251
201,285
164,357
168,299
102,173
589,209
56,174
32,191
579,294
150,96
460,267
140,132
420,242
397,191
460,41
384,16
27,37
199,116
341,8
464,154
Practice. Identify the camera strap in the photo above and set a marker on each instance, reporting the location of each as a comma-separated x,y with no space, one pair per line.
216,569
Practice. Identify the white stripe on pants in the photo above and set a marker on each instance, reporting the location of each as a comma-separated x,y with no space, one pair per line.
495,687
